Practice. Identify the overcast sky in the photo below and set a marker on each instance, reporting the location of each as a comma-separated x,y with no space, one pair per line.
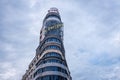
91,36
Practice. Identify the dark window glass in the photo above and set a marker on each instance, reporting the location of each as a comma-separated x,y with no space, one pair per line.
52,54
54,16
51,23
51,77
50,68
50,61
52,47
52,40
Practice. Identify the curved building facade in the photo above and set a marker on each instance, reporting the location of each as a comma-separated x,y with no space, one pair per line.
49,62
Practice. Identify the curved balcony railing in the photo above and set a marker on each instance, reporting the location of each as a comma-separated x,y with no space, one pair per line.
52,14
50,36
51,50
52,73
41,50
51,64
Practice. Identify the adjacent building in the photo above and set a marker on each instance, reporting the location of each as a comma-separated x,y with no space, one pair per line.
49,62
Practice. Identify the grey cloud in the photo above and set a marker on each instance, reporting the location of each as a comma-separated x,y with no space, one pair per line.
90,29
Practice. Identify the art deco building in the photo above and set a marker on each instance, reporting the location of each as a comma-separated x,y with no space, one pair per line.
49,62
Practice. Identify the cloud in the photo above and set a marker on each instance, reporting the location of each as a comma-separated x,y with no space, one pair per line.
7,71
112,74
91,36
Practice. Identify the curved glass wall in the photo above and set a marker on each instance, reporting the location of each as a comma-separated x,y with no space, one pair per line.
51,77
50,27
53,15
52,47
52,39
50,68
52,54
51,23
50,61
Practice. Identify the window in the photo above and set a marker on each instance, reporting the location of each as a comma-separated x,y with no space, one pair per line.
53,15
52,40
51,23
50,61
51,77
50,68
52,47
52,54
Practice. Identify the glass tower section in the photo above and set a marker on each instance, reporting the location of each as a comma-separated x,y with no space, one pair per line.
49,62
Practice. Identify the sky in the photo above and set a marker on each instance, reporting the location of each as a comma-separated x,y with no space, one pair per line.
91,36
